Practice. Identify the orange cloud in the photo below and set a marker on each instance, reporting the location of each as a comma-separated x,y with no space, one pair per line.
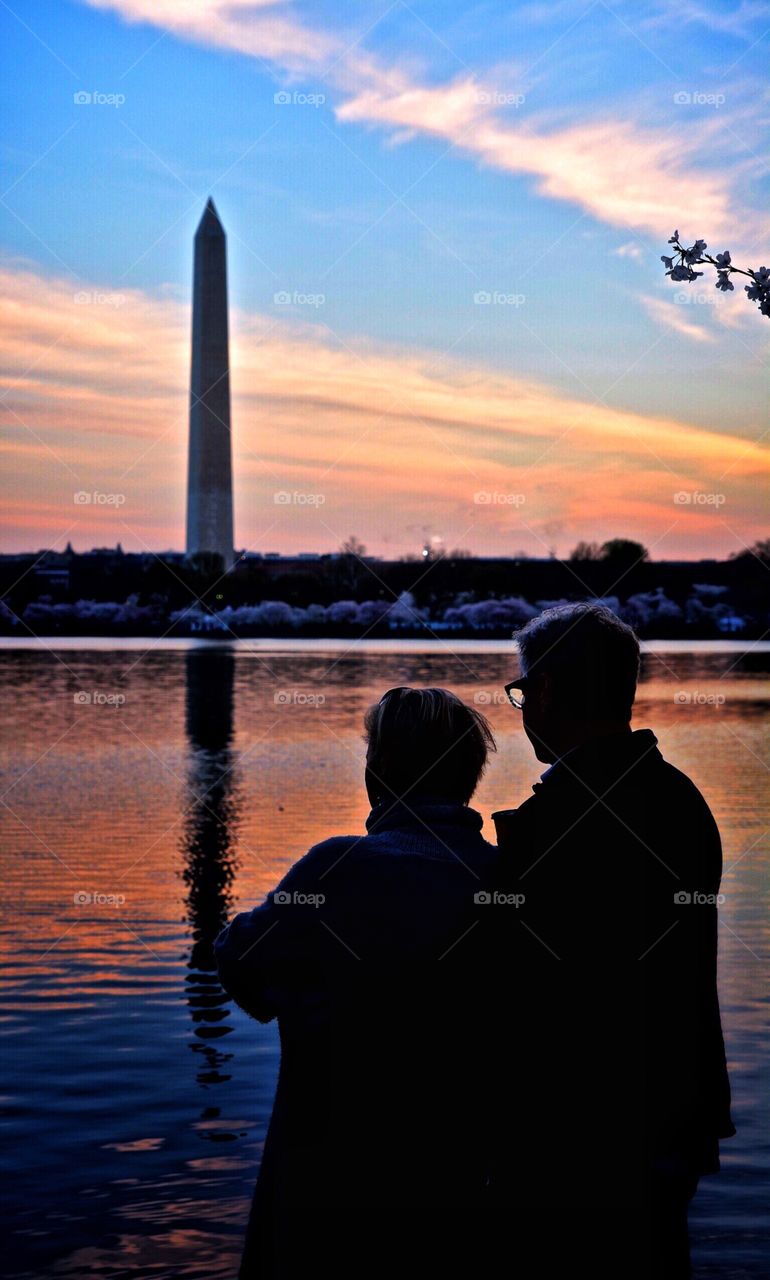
387,443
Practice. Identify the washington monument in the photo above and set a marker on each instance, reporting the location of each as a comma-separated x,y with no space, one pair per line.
209,470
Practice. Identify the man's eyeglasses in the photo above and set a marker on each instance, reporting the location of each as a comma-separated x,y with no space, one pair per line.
515,692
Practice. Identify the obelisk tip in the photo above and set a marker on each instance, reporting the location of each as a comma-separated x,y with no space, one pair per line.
210,221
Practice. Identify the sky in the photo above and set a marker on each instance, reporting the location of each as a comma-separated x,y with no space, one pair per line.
449,318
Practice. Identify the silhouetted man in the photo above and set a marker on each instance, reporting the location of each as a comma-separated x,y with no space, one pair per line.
613,1084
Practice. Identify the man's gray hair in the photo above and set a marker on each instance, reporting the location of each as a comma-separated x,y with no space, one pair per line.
591,656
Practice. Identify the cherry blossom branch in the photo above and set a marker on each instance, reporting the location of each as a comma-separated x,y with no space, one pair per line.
680,267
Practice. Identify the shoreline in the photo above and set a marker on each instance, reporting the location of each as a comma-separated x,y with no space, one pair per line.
342,644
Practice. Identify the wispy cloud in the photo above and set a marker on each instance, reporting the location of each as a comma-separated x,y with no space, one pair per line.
743,21
612,167
265,29
672,315
615,170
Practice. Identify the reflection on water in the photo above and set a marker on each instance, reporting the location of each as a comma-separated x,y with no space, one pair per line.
132,829
209,835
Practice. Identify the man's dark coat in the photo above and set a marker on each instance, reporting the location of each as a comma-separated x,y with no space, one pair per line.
610,1049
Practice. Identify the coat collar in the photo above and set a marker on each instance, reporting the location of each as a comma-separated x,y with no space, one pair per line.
613,755
424,811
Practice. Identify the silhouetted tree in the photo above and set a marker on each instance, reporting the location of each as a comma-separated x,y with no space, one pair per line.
586,551
352,546
760,549
623,551
351,570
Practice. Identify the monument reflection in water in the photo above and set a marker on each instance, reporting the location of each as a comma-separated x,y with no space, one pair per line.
210,826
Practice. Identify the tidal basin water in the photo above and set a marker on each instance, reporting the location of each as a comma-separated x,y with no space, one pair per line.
149,791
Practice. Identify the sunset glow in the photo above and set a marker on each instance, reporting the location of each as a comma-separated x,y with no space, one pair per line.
458,294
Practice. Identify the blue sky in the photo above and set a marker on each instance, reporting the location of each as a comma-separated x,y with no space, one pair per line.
535,152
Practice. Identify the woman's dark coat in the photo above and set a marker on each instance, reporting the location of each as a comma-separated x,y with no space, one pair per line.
367,955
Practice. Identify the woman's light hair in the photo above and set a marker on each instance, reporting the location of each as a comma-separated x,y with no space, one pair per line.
426,742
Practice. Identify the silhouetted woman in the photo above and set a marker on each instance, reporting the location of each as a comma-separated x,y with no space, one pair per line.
367,954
